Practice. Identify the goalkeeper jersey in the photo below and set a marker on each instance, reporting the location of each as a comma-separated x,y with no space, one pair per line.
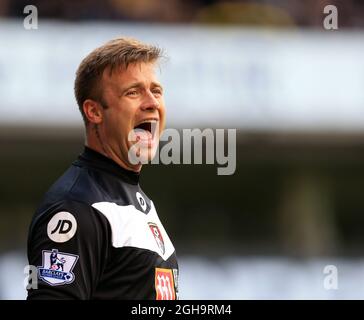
96,235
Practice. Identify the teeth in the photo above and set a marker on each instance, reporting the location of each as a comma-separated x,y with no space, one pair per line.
148,121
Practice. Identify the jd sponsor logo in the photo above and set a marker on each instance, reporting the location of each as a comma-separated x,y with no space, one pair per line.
62,227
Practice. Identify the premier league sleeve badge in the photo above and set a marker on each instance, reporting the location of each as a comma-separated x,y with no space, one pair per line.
57,267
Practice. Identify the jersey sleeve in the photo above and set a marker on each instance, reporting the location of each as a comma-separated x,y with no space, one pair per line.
68,244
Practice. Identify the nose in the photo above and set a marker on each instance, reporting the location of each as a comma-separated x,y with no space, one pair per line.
150,102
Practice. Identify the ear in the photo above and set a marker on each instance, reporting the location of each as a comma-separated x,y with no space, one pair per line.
93,111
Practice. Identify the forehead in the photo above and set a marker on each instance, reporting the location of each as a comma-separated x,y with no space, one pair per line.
145,72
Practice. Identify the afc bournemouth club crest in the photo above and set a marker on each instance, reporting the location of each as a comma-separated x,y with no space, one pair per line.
157,236
57,267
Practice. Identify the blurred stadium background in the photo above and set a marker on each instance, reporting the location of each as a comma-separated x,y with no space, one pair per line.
294,92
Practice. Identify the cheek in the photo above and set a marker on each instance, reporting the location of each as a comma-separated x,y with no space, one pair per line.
162,116
116,125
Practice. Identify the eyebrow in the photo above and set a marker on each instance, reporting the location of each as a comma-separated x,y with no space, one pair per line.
140,85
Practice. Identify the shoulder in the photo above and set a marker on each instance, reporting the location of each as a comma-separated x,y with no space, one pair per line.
74,192
65,219
76,183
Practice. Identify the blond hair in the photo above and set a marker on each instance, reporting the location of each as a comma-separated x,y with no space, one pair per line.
116,53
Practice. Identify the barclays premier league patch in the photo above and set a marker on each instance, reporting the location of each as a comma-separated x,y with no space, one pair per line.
57,267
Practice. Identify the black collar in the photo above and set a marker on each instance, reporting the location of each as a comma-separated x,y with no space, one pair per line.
97,160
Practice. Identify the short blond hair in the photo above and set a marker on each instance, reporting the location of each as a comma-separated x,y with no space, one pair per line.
116,53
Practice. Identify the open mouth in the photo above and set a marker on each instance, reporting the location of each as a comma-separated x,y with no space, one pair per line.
147,126
146,129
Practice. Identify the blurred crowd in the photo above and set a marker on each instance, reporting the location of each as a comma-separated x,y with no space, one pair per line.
280,13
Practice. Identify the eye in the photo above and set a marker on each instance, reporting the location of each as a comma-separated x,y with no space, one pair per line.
132,93
157,91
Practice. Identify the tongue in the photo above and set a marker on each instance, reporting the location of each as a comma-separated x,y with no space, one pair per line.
143,134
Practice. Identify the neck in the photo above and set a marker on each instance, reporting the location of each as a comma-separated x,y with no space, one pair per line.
94,143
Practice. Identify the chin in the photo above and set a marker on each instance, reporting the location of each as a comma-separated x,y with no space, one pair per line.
147,154
142,154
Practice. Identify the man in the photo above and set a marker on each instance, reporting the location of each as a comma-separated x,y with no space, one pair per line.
95,218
